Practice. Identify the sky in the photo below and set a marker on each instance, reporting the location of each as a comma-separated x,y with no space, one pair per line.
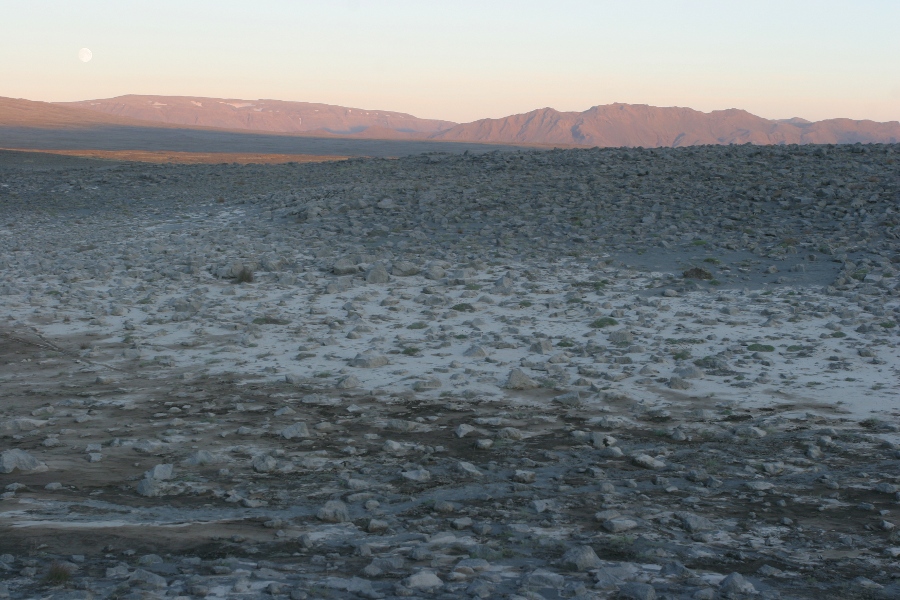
463,60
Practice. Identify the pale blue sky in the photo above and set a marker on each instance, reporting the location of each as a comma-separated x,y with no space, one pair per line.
466,59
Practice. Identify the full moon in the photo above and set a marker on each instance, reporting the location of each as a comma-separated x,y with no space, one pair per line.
84,55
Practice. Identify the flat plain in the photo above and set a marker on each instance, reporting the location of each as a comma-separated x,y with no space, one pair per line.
586,373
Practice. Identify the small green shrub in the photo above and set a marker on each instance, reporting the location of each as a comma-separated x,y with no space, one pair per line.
417,325
58,574
244,276
463,307
761,348
270,321
410,351
604,322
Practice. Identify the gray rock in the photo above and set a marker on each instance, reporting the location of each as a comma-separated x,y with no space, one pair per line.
353,585
570,399
518,380
296,430
424,385
369,361
678,383
735,586
423,580
467,468
201,458
462,430
334,511
350,382
647,462
543,578
435,272
404,268
13,459
417,475
602,440
581,558
149,488
637,591
620,336
160,473
475,352
693,523
542,346
148,579
690,372
619,524
344,266
377,274
263,463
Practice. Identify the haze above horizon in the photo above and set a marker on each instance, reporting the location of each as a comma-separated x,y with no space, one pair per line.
467,61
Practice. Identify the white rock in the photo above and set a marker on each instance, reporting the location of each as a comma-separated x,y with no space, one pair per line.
334,511
467,468
263,463
296,430
13,459
423,580
462,430
647,462
418,475
619,524
160,473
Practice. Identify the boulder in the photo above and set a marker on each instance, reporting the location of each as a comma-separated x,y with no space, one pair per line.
518,380
13,459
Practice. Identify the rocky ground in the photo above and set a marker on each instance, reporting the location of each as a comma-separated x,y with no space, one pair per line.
533,375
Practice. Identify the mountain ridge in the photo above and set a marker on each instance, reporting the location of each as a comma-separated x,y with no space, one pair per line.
609,125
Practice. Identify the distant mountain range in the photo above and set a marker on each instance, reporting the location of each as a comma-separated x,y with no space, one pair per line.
273,116
610,125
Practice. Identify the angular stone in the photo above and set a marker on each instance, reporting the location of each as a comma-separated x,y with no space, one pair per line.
377,274
146,578
619,524
518,380
369,361
423,580
13,459
735,585
693,523
581,558
647,462
296,430
334,511
263,463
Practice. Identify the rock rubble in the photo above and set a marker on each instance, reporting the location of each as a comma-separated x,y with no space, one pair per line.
584,374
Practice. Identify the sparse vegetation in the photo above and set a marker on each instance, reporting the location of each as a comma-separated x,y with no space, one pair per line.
270,321
58,574
604,322
761,348
463,307
245,275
